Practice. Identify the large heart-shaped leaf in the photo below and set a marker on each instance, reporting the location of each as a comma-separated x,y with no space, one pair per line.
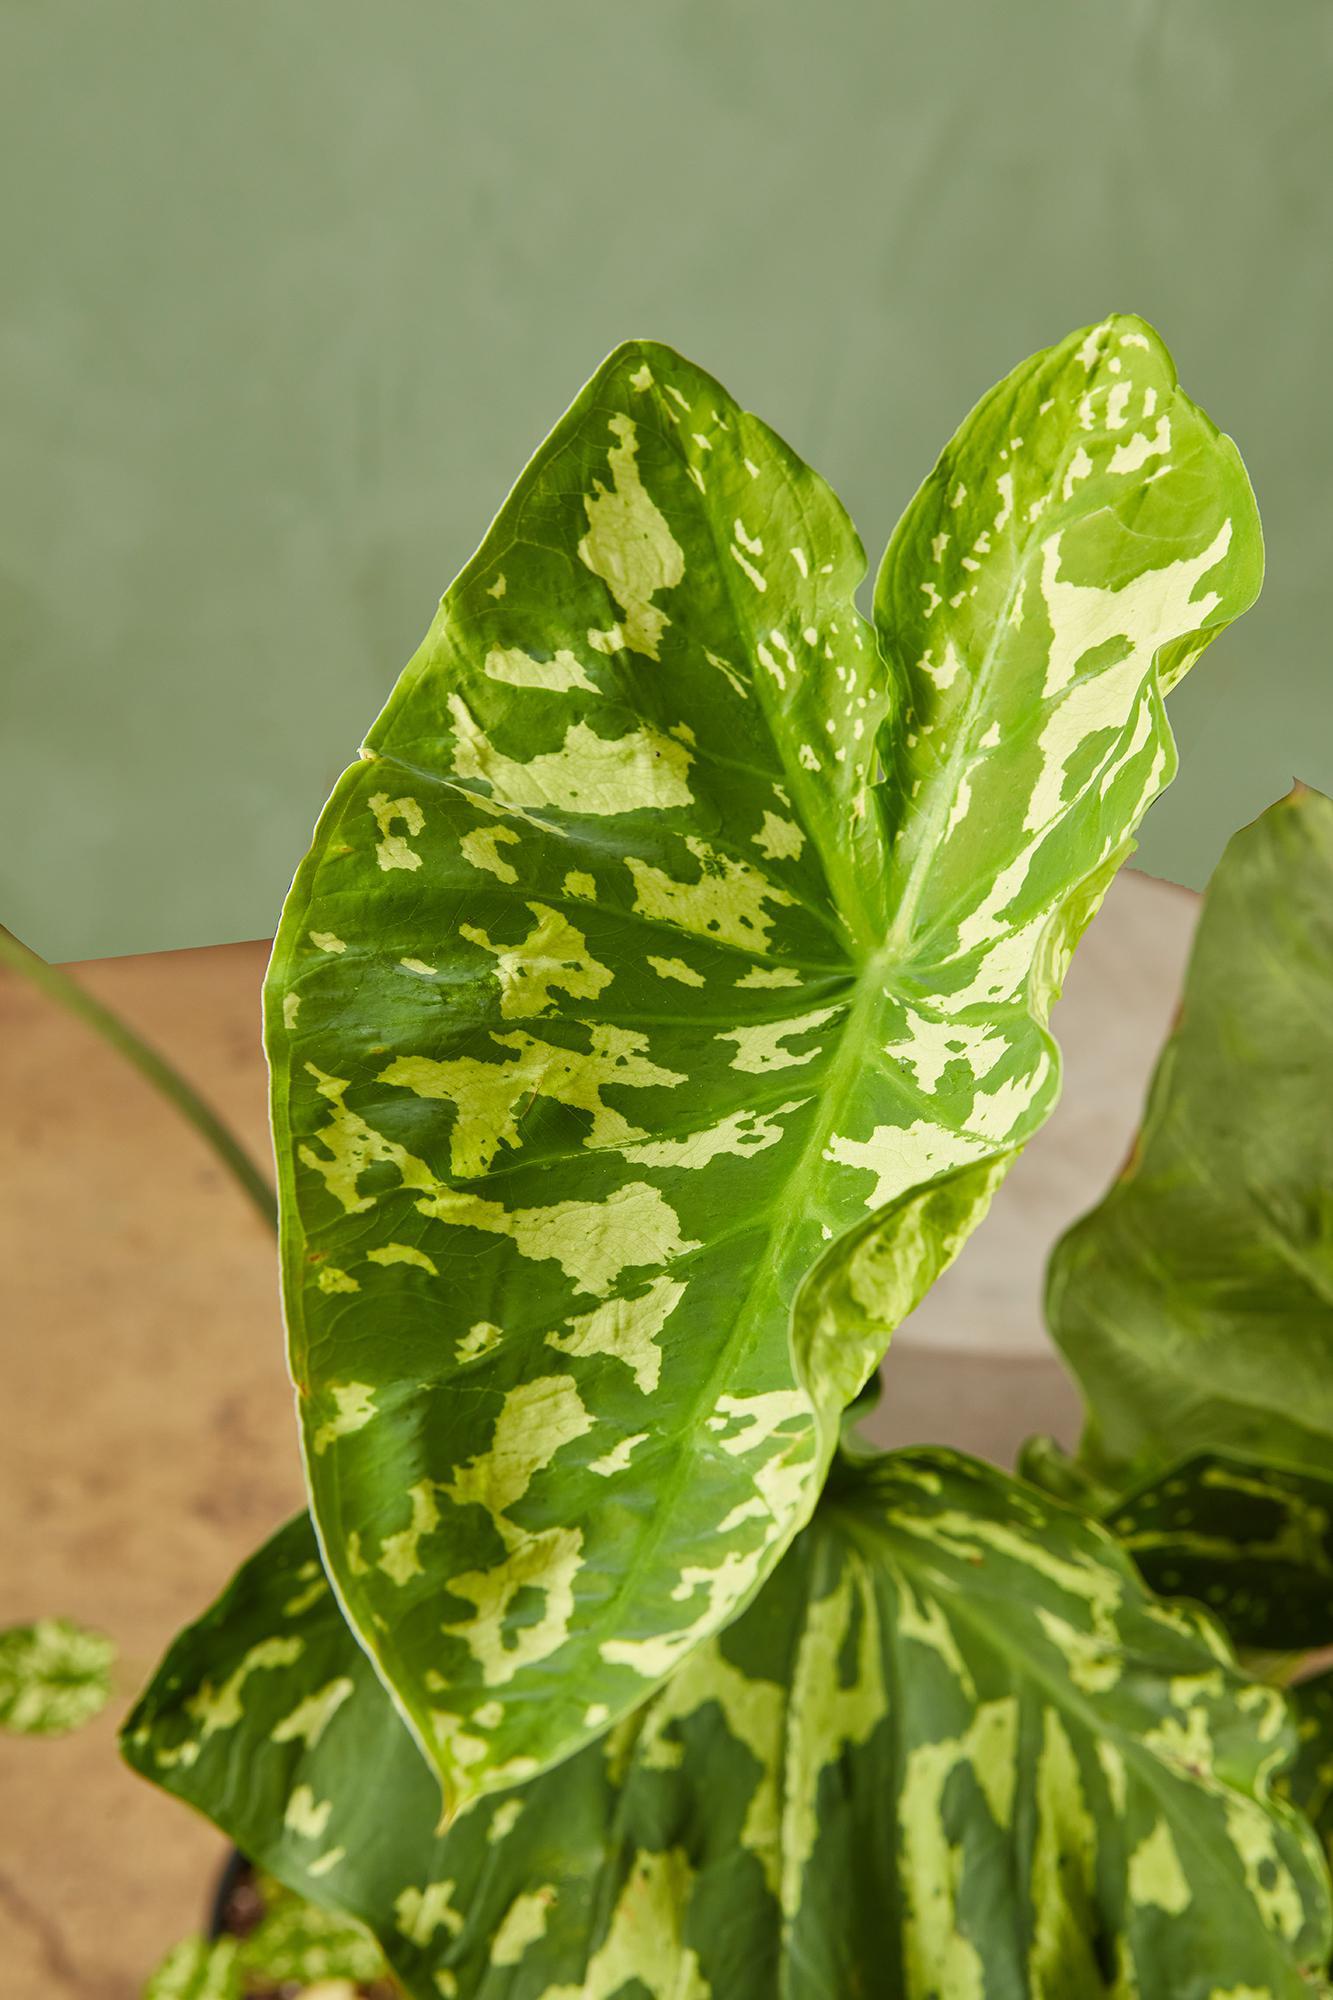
1195,1304
954,1748
640,1053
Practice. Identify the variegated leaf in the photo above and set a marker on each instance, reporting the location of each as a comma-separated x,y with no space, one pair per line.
300,1949
639,1056
1308,1782
1249,1539
54,1677
297,1943
198,1969
1195,1304
953,1751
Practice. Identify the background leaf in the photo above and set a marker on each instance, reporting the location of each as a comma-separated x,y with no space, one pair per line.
1249,1539
615,1049
1309,1781
1195,1304
54,1677
198,1969
954,1747
297,1942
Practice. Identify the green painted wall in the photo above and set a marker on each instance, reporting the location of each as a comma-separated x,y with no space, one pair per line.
291,287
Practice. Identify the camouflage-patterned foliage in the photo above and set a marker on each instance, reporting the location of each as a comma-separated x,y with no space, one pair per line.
54,1677
953,1748
638,1056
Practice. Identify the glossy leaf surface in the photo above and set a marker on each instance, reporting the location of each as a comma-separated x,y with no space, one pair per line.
1195,1304
54,1677
638,1058
952,1748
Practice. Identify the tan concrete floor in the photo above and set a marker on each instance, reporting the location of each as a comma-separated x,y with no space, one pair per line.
146,1440
146,1435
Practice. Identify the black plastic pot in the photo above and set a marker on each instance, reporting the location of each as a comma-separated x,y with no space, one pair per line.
234,1871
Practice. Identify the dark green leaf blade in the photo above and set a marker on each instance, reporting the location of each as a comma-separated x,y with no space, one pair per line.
616,1058
1195,1303
953,1747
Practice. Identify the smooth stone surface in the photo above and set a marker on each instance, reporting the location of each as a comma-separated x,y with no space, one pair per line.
146,1434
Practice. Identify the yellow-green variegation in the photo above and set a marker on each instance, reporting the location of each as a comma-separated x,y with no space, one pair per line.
1195,1304
199,1969
54,1676
666,992
953,1751
297,1948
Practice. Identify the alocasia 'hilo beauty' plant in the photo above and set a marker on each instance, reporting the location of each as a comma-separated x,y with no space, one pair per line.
662,999
639,1053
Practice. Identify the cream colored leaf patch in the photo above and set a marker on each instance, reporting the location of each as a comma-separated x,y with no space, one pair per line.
592,1241
727,902
491,1096
558,675
589,774
629,544
482,849
393,850
627,1329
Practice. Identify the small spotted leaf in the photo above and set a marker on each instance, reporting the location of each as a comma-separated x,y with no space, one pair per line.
198,1969
1309,1781
954,1747
54,1677
666,992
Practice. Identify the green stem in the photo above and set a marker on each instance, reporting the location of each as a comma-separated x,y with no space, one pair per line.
58,985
